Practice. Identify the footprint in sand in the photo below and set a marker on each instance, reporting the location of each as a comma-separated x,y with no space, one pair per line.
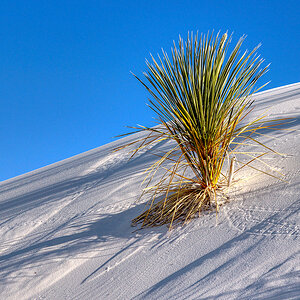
264,221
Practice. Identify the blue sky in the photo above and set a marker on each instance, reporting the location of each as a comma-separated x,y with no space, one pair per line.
65,81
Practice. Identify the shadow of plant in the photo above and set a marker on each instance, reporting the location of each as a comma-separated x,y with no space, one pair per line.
90,232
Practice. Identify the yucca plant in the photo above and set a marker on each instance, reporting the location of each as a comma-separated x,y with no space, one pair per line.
201,96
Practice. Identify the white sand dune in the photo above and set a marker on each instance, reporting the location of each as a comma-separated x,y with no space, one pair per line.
66,234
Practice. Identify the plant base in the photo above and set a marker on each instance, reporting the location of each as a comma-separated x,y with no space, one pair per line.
179,207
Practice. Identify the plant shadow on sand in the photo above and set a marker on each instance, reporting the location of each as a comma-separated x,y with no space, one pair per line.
98,232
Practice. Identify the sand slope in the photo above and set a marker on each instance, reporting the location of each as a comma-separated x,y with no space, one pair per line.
65,229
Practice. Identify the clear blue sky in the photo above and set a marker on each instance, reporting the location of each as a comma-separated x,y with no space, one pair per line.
65,81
